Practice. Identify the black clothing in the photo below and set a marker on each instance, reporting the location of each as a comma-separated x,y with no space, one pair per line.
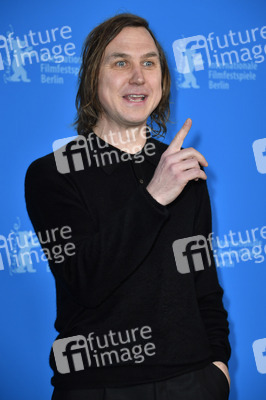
208,383
123,276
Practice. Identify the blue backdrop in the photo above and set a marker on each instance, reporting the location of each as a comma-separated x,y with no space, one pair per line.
216,53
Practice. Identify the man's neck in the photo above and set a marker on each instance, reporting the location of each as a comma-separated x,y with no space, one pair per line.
128,139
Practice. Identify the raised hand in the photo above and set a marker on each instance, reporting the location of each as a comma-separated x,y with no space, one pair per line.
176,168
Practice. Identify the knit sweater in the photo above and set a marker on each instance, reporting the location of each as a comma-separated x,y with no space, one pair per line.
130,308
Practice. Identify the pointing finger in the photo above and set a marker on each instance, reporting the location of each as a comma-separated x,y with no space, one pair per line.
178,140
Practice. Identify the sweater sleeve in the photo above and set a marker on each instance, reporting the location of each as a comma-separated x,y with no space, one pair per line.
104,257
209,292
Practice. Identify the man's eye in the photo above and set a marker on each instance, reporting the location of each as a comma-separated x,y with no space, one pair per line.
148,63
120,63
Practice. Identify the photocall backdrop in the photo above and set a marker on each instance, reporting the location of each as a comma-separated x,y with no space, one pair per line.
217,54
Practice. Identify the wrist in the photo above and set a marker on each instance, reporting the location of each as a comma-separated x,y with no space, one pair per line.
156,197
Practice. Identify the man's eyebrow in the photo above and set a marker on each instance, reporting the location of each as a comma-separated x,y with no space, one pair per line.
122,55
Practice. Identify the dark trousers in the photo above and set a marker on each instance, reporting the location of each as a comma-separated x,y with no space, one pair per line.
208,383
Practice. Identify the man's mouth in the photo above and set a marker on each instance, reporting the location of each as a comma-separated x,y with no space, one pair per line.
135,98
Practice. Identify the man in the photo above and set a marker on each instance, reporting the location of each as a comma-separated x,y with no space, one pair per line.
135,321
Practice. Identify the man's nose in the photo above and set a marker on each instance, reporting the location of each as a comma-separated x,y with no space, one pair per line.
137,76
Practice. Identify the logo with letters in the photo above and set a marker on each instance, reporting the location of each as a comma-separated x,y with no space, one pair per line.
259,150
191,253
188,53
259,350
73,156
71,354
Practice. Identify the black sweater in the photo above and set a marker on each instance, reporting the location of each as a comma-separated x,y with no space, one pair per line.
125,310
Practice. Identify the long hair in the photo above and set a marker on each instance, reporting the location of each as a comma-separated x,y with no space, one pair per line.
87,102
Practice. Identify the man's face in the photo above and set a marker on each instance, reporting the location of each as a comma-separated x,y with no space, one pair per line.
129,86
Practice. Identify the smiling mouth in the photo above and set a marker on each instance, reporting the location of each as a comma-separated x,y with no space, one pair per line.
135,98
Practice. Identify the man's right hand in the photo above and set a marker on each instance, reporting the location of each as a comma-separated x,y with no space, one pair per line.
176,168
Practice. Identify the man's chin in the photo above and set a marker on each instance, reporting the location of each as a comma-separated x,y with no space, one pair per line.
136,120
133,124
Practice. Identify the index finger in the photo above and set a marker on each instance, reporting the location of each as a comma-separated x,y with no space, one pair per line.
178,140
